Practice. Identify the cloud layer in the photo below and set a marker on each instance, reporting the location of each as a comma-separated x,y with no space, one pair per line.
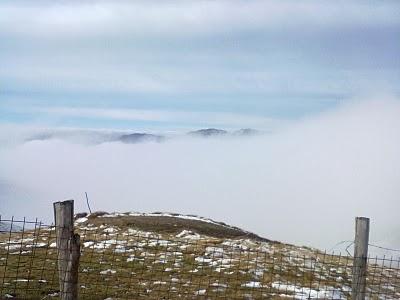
304,184
85,18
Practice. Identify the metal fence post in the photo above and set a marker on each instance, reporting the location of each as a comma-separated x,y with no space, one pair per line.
68,249
360,258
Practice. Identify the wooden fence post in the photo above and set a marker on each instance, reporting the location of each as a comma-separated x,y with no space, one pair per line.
360,258
68,249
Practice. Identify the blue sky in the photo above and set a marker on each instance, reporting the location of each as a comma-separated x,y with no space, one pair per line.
169,65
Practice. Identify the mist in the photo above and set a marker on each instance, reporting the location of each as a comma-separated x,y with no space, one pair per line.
303,184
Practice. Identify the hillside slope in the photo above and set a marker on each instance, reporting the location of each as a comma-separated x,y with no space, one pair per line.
171,256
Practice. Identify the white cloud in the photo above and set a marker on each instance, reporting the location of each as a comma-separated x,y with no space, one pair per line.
87,72
192,47
141,18
224,119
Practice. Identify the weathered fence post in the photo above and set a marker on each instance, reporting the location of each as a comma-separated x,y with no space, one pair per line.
360,258
68,249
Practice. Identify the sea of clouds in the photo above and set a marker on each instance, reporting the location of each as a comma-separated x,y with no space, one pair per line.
303,184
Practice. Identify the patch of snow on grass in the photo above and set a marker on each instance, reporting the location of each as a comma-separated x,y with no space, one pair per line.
110,229
88,244
187,234
108,271
81,220
252,284
200,292
307,293
21,280
203,259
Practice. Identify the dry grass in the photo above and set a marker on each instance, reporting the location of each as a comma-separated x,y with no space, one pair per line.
123,261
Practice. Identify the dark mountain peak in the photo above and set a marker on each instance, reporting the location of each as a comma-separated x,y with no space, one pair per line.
140,138
208,132
40,137
246,132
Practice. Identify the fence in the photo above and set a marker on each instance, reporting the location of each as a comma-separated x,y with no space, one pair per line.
121,262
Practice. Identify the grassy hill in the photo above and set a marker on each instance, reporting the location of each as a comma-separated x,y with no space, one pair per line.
171,256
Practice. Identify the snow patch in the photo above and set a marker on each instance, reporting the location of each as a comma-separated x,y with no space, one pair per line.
81,220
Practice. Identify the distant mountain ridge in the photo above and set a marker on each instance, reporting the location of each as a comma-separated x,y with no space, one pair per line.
96,137
208,132
134,138
246,132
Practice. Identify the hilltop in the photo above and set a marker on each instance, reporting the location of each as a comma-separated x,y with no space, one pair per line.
170,223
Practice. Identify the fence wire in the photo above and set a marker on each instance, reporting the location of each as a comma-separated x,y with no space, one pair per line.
127,263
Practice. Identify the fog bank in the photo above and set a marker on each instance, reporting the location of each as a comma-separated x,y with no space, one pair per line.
303,185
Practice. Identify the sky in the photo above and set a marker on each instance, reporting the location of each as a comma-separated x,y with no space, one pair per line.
178,65
320,79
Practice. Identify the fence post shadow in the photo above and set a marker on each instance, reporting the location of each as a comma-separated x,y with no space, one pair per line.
68,249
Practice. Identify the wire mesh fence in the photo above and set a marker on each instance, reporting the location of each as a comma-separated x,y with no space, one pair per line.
127,263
